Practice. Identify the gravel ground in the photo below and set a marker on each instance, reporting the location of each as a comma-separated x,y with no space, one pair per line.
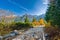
32,34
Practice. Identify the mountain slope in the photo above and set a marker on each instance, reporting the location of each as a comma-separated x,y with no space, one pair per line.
30,17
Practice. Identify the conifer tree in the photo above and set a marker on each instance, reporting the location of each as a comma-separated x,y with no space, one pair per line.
53,12
33,19
26,19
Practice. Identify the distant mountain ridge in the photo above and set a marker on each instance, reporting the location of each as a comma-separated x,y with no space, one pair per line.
30,17
9,16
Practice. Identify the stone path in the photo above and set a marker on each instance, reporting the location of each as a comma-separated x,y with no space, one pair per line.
32,34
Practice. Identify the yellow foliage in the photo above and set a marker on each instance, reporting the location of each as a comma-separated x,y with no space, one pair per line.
41,21
48,24
36,23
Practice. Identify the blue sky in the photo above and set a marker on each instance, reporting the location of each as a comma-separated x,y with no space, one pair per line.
20,7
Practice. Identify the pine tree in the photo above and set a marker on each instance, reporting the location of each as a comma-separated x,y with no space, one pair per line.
26,19
33,19
53,12
34,22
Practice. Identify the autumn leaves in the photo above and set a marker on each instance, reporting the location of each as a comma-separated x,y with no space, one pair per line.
38,23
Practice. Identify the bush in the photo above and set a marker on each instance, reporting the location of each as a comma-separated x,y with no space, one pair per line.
53,32
19,26
6,28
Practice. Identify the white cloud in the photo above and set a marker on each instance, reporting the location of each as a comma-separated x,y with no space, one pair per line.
40,10
45,2
18,5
